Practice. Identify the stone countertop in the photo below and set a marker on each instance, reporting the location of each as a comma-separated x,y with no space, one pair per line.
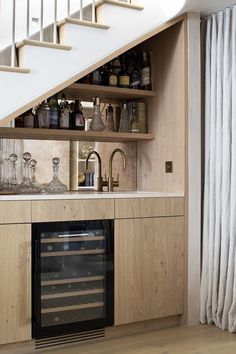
92,195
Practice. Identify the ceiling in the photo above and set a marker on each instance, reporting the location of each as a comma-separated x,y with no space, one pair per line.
207,7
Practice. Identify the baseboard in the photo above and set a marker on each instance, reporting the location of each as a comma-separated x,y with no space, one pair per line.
110,333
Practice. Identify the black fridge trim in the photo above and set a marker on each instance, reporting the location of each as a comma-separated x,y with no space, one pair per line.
39,332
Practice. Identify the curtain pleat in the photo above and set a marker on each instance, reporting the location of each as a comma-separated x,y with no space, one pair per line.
218,283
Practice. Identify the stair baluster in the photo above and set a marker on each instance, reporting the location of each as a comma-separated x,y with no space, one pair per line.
55,23
93,11
81,10
28,19
68,8
41,21
13,49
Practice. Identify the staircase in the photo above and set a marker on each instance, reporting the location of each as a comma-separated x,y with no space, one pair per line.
79,46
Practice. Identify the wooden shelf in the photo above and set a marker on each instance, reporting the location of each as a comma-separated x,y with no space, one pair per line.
86,92
73,135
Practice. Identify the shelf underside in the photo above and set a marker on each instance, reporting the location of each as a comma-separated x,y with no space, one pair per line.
72,135
86,92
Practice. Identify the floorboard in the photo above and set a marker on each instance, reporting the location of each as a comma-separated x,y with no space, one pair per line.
181,340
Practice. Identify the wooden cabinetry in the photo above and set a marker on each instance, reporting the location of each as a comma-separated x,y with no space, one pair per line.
148,268
69,210
15,212
15,275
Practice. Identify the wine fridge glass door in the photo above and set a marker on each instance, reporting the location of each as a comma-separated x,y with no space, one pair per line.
74,268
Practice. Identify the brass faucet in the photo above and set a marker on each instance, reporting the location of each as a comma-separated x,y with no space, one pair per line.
111,182
100,182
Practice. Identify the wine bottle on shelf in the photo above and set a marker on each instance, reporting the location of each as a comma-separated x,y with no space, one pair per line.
64,117
109,119
134,122
134,75
96,77
145,72
104,75
78,121
19,122
112,76
28,120
54,112
124,78
116,66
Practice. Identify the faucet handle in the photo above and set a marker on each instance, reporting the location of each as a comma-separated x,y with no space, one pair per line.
105,181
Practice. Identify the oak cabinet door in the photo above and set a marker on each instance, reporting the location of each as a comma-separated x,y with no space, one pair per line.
148,268
15,277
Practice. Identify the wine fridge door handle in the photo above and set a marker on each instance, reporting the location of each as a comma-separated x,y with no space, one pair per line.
74,235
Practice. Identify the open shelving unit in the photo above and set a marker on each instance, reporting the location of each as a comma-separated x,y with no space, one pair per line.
85,92
71,135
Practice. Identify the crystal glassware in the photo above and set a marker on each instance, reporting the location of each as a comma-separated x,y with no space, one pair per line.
55,186
27,185
124,119
13,180
96,123
5,174
33,164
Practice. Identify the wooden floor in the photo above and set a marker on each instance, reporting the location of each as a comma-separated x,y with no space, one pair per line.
181,340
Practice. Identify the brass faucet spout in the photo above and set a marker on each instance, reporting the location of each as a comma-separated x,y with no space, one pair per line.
100,182
99,162
111,183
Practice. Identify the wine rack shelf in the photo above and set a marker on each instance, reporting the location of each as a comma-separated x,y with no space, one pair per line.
71,135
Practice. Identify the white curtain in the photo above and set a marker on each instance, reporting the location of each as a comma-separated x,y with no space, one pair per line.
218,283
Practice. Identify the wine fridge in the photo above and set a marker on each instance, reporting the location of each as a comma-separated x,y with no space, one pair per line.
72,277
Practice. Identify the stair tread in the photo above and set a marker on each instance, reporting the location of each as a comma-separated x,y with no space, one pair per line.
42,44
76,21
14,69
120,3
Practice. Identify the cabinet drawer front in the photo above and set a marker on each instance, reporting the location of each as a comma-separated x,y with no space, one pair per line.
148,207
15,212
66,210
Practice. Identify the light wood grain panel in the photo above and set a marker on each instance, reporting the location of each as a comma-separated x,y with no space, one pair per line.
148,268
148,207
15,212
72,135
66,210
15,275
193,173
166,115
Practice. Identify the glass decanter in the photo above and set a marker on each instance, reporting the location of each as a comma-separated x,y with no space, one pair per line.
55,186
5,174
96,123
33,164
13,181
27,185
124,119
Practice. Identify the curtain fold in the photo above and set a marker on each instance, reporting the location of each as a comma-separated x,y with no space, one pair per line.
218,281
